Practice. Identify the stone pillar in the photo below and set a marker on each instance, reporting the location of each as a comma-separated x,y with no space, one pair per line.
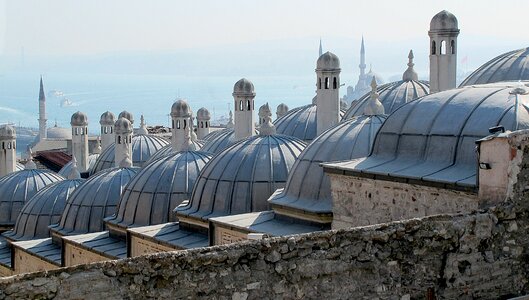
8,155
327,93
79,122
107,129
203,123
181,126
123,140
443,51
243,97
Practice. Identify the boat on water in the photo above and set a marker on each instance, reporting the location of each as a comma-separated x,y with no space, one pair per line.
55,93
65,102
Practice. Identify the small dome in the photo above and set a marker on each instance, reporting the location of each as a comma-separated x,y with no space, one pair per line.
243,87
241,178
510,66
433,138
67,168
180,109
18,187
443,20
125,114
300,122
107,118
203,114
123,126
59,133
42,210
7,132
307,187
221,140
159,188
143,147
195,145
392,95
94,200
328,61
281,110
79,119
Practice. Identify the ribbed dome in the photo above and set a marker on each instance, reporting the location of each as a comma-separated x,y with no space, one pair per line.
107,118
220,140
127,115
443,20
180,109
7,132
433,138
143,147
392,95
510,66
281,110
241,178
42,210
328,61
213,135
19,167
67,168
79,119
94,200
158,188
59,133
123,126
203,114
168,150
300,122
243,87
18,187
307,187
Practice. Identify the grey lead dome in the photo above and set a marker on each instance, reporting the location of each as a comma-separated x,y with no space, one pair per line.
180,109
107,118
443,20
7,132
79,119
243,87
328,61
203,114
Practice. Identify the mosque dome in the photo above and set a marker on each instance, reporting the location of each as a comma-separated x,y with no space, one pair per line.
19,167
59,133
203,114
328,61
241,178
127,115
307,187
180,109
510,66
107,118
67,168
443,20
369,76
18,187
7,132
42,210
94,200
158,188
300,122
79,119
221,140
143,147
167,150
433,138
243,87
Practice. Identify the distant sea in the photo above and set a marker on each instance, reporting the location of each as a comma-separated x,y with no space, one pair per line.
150,95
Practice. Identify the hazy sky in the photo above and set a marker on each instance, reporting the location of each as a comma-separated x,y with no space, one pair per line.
57,27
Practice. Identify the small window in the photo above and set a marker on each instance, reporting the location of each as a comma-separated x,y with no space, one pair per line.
433,47
14,145
241,106
185,124
327,83
130,139
106,130
453,47
335,83
248,105
319,83
172,123
442,49
111,129
119,139
3,145
177,124
207,125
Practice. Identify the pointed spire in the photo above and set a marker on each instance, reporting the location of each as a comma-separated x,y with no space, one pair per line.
362,65
143,128
374,106
74,173
230,121
30,164
267,128
42,96
321,49
410,73
126,162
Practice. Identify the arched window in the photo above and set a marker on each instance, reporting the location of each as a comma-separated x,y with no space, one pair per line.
201,124
319,83
207,125
111,129
248,105
327,83
177,124
119,139
8,145
453,47
334,83
130,139
442,50
433,47
185,124
241,106
3,145
14,145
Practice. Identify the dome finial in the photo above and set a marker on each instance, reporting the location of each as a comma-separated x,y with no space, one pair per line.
143,128
230,121
74,173
126,162
97,149
374,106
267,127
410,73
30,164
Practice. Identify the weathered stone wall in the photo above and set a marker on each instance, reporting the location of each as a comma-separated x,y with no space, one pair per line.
362,201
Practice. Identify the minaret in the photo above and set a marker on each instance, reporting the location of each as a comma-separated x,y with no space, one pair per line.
143,127
362,64
181,128
79,122
203,118
42,112
243,96
281,110
321,49
8,145
443,51
327,94
410,73
123,140
107,129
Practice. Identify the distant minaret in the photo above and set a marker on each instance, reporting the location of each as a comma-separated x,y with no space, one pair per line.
42,112
8,155
181,127
443,51
230,123
362,64
203,118
321,49
107,121
79,122
327,94
123,137
243,96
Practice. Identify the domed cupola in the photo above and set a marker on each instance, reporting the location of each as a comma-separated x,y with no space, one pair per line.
281,110
107,118
444,20
18,187
127,115
159,188
510,66
328,61
44,208
180,109
244,87
395,94
94,200
308,190
241,178
79,119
